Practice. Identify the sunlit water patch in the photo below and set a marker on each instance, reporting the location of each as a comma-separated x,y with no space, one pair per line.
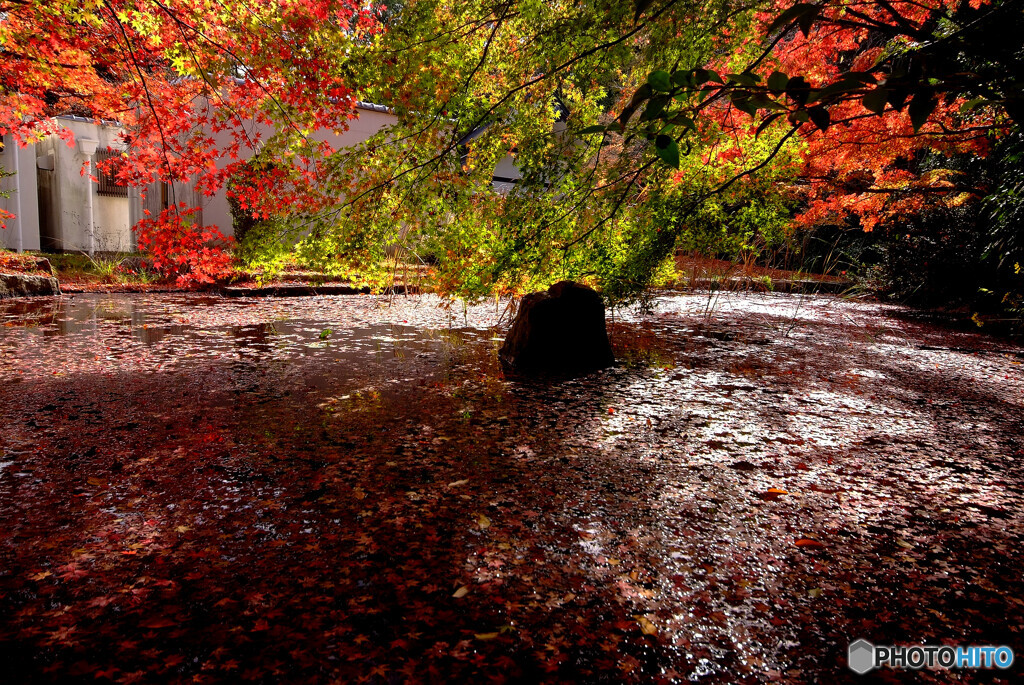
350,487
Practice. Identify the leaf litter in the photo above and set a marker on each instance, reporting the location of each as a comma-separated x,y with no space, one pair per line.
202,489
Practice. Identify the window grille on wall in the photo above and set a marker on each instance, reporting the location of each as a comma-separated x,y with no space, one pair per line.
108,182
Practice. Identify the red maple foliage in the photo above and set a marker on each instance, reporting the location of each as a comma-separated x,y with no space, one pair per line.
866,101
195,86
192,256
854,166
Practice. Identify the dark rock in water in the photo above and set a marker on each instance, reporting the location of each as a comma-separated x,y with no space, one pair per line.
561,330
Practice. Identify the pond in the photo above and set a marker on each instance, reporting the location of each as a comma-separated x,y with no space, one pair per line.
349,488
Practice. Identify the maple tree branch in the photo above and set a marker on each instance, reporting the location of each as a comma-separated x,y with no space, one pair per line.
145,89
925,190
435,160
227,51
586,195
767,51
946,131
904,24
753,170
694,202
474,24
213,90
441,109
7,52
487,47
615,208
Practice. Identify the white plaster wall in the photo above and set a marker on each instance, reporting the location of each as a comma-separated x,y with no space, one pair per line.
506,169
215,209
67,198
71,190
21,186
113,232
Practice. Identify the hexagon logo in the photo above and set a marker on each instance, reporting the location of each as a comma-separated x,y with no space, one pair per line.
861,656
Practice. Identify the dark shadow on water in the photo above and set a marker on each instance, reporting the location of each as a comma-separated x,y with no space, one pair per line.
318,490
256,497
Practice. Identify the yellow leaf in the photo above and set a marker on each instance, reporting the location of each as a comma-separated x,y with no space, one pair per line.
646,627
483,521
461,592
485,636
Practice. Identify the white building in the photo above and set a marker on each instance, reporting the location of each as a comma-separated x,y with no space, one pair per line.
76,214
22,232
60,209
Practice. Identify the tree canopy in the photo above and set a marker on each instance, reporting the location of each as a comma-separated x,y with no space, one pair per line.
642,127
637,127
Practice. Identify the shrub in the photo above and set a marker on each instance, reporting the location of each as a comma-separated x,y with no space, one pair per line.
178,249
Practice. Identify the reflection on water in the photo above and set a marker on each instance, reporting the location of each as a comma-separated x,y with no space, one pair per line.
206,488
342,336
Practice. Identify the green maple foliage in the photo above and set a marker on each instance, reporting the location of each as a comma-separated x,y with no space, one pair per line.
639,130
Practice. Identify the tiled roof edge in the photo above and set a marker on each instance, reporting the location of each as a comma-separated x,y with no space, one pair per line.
372,107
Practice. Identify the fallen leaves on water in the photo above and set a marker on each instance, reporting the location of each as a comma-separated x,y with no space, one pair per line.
771,494
809,543
200,490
